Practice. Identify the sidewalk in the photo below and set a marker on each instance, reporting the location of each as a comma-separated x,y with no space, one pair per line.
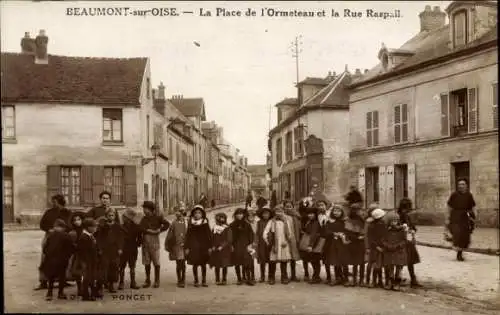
30,227
484,240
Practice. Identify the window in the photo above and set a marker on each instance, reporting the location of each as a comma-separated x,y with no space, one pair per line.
8,122
463,111
459,170
460,26
372,129
178,154
70,184
170,149
495,104
279,152
288,146
113,182
148,144
148,88
112,124
400,123
299,140
174,154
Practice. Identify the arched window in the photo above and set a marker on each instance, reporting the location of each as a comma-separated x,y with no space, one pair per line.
460,26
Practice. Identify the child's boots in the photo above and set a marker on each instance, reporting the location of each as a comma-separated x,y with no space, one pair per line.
157,277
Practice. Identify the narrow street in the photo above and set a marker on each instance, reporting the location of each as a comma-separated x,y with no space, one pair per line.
22,254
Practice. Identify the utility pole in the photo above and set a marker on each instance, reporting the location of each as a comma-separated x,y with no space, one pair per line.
296,50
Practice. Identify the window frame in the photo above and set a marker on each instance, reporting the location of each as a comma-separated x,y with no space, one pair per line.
104,118
289,146
403,108
120,200
370,130
69,200
4,127
466,27
279,151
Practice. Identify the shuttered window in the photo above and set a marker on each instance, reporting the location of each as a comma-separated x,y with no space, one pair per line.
494,91
372,129
460,28
81,185
178,154
112,124
472,110
8,122
288,146
445,115
401,123
279,151
298,137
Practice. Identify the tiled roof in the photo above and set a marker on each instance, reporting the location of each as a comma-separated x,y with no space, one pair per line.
257,169
288,101
190,107
427,46
72,79
314,81
332,95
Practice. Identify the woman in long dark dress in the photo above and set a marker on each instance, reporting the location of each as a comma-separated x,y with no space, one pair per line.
461,217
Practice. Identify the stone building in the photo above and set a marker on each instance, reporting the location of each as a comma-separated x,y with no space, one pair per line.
260,180
310,145
427,114
75,126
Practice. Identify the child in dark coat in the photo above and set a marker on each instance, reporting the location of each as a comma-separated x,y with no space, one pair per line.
355,231
132,239
198,243
152,225
263,249
394,245
375,235
336,250
242,246
220,256
109,238
75,271
87,251
253,219
57,250
174,245
405,206
310,237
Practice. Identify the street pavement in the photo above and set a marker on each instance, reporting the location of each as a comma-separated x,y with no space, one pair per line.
453,288
482,238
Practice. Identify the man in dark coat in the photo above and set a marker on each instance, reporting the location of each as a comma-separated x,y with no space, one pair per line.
248,201
58,211
261,202
100,211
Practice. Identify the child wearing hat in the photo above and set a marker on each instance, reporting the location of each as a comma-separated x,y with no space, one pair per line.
368,220
174,244
152,225
132,237
109,236
394,245
87,251
242,236
336,250
263,249
57,250
198,244
220,256
75,271
310,238
324,212
376,232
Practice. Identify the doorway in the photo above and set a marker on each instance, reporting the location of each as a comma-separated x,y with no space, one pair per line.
372,185
460,170
8,194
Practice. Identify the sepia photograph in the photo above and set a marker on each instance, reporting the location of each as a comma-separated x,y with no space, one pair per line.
250,157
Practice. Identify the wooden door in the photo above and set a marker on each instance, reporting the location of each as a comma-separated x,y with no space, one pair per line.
8,194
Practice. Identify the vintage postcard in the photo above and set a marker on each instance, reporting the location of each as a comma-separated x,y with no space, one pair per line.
266,157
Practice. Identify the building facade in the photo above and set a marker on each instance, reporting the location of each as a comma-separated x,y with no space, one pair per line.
260,180
427,115
309,144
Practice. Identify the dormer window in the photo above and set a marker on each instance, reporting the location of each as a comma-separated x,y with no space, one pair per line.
460,23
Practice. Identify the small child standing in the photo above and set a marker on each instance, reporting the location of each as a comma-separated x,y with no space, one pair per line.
152,225
368,220
253,220
263,248
394,245
75,271
405,206
294,223
242,234
109,238
132,240
336,250
220,257
355,230
174,245
277,236
57,250
376,232
198,243
87,251
309,240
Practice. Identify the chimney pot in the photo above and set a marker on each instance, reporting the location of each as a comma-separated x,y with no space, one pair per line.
161,91
358,71
431,20
427,8
437,9
28,44
41,41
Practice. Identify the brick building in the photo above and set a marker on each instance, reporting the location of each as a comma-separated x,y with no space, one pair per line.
310,145
75,126
427,114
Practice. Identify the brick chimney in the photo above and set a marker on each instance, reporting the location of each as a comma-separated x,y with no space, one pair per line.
432,19
41,55
27,44
366,71
161,91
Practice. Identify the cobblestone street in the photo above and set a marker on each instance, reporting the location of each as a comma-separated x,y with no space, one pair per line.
471,279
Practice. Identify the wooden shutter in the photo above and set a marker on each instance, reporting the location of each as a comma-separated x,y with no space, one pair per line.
53,182
97,181
472,103
375,127
368,129
397,124
130,187
411,183
86,186
495,104
445,115
389,185
361,182
404,123
382,187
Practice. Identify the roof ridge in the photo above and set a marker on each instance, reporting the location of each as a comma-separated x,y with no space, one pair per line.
77,57
337,81
321,90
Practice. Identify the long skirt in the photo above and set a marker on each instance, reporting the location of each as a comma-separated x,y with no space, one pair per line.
356,251
461,234
412,253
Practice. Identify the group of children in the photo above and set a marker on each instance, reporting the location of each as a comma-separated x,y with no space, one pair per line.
95,253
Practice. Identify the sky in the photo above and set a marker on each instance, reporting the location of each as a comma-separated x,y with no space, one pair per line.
243,65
